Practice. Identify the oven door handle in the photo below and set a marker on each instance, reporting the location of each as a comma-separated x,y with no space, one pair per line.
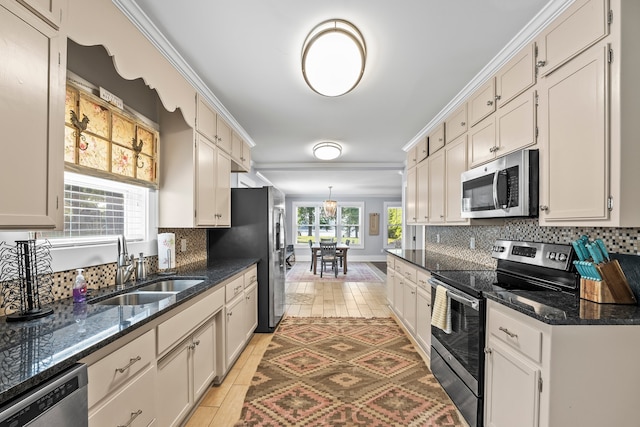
495,189
473,303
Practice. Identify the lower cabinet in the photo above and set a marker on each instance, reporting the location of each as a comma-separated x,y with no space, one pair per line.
236,331
409,306
241,312
185,374
390,278
423,311
251,302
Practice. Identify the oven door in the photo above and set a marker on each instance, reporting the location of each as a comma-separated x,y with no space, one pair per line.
461,349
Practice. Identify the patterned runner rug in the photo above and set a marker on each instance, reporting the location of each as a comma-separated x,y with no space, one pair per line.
356,272
344,372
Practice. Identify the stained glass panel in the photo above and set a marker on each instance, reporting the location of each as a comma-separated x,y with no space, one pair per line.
99,117
148,138
123,130
97,153
122,160
145,168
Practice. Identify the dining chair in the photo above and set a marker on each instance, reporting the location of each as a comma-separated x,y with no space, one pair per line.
328,256
311,248
340,254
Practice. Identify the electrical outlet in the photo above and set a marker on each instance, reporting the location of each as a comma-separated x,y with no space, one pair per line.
472,243
438,238
183,245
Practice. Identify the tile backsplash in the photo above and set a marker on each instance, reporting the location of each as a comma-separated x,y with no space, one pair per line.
104,275
455,241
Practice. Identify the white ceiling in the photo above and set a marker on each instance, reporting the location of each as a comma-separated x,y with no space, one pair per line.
420,55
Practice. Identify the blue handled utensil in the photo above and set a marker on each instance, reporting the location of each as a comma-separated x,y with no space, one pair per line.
603,249
595,253
580,250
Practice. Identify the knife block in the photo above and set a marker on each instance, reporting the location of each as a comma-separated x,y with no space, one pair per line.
612,289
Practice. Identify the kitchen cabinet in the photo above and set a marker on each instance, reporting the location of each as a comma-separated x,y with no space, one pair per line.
444,184
236,334
422,193
390,279
512,128
436,187
185,374
436,138
251,302
423,311
409,274
118,384
411,215
240,154
195,178
32,84
582,25
483,102
456,123
48,10
516,76
241,310
212,125
398,291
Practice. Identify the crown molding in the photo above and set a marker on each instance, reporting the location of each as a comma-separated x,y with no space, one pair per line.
142,22
523,38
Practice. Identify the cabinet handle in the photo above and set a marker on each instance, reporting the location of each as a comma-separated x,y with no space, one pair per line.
544,208
463,123
131,362
440,139
134,415
488,351
441,216
196,342
541,63
229,314
508,332
498,97
489,103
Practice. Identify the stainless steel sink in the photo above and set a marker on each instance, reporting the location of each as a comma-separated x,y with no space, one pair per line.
170,285
136,298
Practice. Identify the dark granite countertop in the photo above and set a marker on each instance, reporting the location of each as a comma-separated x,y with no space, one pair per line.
551,307
36,350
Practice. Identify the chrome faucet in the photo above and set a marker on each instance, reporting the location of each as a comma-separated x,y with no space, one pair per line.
126,267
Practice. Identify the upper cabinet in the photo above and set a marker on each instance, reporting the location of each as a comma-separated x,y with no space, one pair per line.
456,123
588,120
212,125
583,24
49,10
240,154
417,153
436,138
32,84
483,102
516,76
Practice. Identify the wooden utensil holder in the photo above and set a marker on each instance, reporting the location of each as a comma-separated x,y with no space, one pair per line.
612,289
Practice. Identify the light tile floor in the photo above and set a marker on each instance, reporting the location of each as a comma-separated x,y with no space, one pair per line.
222,404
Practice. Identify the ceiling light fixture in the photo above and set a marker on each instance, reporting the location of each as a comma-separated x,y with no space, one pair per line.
330,206
327,150
333,57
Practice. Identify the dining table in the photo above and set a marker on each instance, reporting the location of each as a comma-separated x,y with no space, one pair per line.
340,250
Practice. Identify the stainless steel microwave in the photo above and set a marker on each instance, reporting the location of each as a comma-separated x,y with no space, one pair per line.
505,187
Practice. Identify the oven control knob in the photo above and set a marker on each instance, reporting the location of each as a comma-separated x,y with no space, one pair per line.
552,255
501,248
561,257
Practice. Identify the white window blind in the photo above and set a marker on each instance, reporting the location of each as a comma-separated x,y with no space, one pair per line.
97,210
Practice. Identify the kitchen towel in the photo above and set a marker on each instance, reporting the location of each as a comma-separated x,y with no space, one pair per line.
441,317
166,251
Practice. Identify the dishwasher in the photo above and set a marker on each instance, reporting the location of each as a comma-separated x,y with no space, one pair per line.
59,402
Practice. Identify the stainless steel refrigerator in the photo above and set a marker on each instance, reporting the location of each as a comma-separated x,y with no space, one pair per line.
257,231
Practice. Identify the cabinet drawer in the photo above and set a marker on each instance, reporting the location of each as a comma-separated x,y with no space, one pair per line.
422,277
134,406
409,272
234,288
175,328
391,265
517,335
250,277
114,370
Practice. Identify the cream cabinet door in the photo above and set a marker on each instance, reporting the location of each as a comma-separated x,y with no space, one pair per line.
390,286
422,149
206,158
205,119
174,391
49,10
235,329
516,124
409,306
32,75
455,164
482,142
240,154
436,138
511,386
251,301
203,350
422,193
456,123
516,76
410,197
222,189
223,135
398,294
423,319
437,188
482,102
412,157
574,181
578,28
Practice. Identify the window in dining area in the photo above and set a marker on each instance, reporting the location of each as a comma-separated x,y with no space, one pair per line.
313,225
393,228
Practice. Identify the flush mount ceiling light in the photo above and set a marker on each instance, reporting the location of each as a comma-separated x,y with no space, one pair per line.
330,206
333,57
327,150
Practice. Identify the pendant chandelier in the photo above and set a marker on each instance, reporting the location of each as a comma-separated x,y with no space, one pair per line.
330,206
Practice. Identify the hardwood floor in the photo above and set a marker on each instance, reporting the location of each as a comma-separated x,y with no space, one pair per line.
222,404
